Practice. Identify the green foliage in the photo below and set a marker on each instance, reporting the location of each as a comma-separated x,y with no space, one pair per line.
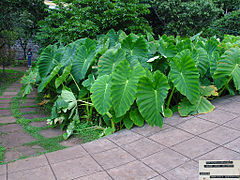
150,98
185,77
227,24
228,67
120,81
71,20
182,17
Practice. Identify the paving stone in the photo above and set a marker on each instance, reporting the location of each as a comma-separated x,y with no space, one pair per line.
232,107
124,137
98,176
5,101
99,145
8,97
148,130
66,154
10,128
113,158
6,112
221,101
74,168
234,145
5,105
235,123
48,133
133,170
41,173
7,119
158,178
218,116
221,135
3,169
16,139
187,171
196,126
171,136
11,155
176,119
220,153
235,98
143,148
28,150
165,160
10,93
39,124
72,141
3,176
24,110
26,164
33,116
194,147
15,89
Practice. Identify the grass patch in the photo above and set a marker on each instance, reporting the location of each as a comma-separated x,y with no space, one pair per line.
49,144
8,78
2,151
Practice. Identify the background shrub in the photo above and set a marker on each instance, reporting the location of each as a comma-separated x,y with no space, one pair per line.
71,20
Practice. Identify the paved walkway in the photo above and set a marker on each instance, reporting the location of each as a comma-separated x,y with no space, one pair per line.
143,153
25,132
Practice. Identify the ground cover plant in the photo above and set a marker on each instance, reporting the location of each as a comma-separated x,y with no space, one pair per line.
120,80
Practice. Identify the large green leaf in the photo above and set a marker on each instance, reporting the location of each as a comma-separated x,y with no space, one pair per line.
124,86
200,57
229,66
46,61
185,77
113,38
88,82
150,97
202,106
110,60
64,76
83,59
167,49
101,94
48,79
136,117
127,121
135,48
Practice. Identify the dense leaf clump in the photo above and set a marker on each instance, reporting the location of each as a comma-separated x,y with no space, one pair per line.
120,80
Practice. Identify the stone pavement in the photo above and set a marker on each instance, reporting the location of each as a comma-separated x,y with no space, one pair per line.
19,143
143,153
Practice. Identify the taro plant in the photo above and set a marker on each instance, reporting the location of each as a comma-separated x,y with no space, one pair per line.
121,80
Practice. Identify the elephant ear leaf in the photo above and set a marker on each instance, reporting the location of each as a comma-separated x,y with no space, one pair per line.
229,66
135,48
136,117
101,91
200,57
83,58
46,61
48,79
124,86
110,60
127,121
185,77
167,49
150,97
202,106
64,76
